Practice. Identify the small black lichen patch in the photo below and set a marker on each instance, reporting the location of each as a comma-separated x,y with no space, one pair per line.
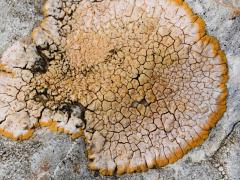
41,65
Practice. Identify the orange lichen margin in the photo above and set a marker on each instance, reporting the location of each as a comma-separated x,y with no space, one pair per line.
218,113
53,126
24,136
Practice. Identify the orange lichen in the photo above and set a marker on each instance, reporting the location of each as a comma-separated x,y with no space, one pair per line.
54,127
141,80
23,136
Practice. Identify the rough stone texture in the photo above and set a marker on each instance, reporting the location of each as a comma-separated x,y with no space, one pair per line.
54,156
17,19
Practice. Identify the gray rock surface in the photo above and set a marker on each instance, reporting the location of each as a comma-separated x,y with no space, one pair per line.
55,156
17,18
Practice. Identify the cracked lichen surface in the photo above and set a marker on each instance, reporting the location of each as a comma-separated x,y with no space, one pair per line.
141,80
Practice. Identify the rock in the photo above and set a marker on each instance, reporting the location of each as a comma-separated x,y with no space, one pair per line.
55,156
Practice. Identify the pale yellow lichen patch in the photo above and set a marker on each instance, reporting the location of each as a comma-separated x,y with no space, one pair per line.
16,122
169,50
19,113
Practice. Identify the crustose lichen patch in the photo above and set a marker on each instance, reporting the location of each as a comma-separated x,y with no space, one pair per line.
140,80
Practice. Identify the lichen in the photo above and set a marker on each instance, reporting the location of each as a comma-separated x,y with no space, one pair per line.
142,81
